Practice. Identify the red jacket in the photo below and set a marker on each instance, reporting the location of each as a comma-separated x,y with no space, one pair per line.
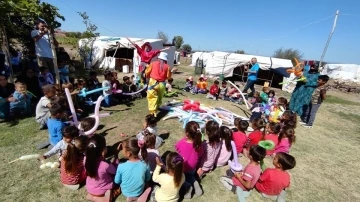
146,56
214,89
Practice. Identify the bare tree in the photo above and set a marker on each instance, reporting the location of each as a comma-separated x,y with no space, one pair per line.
162,35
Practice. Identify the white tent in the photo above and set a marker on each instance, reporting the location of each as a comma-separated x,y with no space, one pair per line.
104,44
201,56
343,72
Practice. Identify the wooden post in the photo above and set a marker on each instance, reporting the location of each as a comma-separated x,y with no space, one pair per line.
5,47
51,37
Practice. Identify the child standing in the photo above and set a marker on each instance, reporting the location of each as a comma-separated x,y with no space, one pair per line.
22,103
100,174
272,131
286,139
6,91
273,181
211,148
42,108
317,98
226,148
214,91
55,124
239,137
150,125
134,173
72,170
246,180
191,150
107,93
45,77
63,71
171,181
189,84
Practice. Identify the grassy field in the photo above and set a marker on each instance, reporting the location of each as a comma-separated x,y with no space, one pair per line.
327,162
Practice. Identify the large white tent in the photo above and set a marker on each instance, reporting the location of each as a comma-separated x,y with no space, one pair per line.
201,56
343,72
105,44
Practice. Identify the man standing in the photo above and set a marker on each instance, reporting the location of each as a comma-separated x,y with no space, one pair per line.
43,46
252,77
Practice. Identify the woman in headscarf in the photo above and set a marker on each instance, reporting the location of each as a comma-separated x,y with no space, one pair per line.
158,72
301,95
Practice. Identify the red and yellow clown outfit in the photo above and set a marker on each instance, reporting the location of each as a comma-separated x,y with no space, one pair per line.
158,72
145,56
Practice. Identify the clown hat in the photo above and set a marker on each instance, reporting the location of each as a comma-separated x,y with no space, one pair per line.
163,56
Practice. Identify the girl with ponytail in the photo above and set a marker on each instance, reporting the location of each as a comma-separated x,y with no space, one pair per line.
100,174
134,173
171,181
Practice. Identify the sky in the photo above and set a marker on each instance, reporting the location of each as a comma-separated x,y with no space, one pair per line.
258,27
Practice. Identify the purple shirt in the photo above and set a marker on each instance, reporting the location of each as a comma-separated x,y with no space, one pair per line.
190,155
210,157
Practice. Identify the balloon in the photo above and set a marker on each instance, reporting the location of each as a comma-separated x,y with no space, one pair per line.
72,109
191,105
245,100
114,89
134,93
101,115
235,166
84,93
96,116
268,145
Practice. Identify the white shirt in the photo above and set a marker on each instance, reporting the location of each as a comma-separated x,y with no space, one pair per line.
104,84
42,46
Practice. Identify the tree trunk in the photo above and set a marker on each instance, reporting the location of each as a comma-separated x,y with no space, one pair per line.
51,37
5,48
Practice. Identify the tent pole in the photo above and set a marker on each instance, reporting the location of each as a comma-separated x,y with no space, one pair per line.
328,41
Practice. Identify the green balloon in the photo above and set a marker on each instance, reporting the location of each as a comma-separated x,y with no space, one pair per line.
267,144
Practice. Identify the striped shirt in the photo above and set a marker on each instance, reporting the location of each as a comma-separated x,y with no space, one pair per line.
210,156
76,178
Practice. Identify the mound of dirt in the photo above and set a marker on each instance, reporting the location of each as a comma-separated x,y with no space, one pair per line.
344,86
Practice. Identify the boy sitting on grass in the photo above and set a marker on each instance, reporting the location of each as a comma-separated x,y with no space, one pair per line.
42,107
55,124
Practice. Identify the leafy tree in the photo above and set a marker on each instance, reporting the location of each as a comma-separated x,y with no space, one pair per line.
89,38
240,52
187,48
178,41
289,54
162,35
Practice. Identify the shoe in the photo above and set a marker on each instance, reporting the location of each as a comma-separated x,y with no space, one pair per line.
43,127
302,122
43,145
307,126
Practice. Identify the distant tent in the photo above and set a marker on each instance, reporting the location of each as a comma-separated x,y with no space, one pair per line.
343,72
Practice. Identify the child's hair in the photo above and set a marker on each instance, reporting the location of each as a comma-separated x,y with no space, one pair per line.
257,153
258,124
271,92
150,120
170,80
74,152
107,73
287,132
282,102
289,116
149,139
175,163
70,132
241,125
226,135
286,161
20,83
56,109
59,90
257,94
94,151
135,146
42,69
258,100
223,82
193,132
80,83
290,123
216,82
212,131
48,88
87,123
68,85
275,127
264,89
324,78
93,73
61,100
125,78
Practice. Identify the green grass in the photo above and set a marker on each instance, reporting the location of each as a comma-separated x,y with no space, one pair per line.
336,100
327,165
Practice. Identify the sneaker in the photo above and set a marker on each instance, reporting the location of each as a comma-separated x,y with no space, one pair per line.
302,122
307,126
43,127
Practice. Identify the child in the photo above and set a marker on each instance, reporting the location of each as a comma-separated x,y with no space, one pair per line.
107,93
45,77
273,181
55,125
150,125
256,108
149,140
214,91
100,174
190,148
246,180
223,90
116,85
68,134
239,137
272,131
169,85
72,170
22,103
253,99
234,95
265,95
317,98
201,86
171,181
134,173
271,99
87,124
128,87
288,117
211,148
93,82
42,108
189,84
226,148
286,139
63,71
6,91
277,110
254,137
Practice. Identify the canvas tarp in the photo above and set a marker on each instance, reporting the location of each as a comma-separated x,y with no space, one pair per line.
201,56
343,72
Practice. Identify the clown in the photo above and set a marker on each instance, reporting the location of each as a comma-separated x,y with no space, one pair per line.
158,72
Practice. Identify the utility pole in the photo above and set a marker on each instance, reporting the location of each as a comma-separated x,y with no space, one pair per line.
329,39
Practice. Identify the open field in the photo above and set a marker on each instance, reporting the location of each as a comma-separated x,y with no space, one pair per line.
327,155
